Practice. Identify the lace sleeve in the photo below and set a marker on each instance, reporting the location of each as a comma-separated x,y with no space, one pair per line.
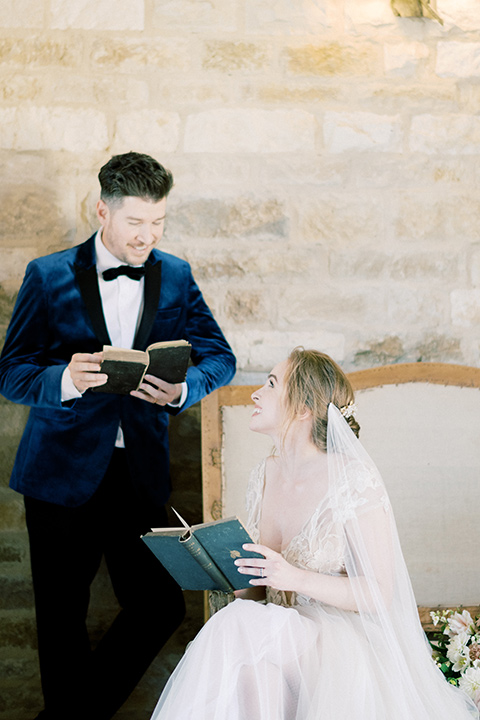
253,500
361,490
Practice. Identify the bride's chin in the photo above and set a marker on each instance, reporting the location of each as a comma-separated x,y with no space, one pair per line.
256,428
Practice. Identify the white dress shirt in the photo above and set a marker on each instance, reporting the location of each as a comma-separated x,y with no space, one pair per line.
122,301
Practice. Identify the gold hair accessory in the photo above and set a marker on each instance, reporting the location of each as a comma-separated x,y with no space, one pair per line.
349,410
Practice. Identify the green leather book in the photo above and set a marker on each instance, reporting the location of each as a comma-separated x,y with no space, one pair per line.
201,557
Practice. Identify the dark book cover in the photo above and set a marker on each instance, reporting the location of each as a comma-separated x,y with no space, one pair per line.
169,363
123,376
126,368
202,557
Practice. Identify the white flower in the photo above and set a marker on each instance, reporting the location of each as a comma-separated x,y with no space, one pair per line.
438,616
470,683
458,652
457,623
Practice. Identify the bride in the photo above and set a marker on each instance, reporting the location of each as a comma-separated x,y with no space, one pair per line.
329,629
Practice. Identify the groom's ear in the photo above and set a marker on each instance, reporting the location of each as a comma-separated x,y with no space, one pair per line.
102,212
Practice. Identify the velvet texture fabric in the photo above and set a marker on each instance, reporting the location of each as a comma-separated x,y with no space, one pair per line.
66,448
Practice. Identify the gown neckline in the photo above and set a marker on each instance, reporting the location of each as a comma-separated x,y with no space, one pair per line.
301,532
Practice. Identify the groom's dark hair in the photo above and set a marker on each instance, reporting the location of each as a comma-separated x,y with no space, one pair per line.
136,175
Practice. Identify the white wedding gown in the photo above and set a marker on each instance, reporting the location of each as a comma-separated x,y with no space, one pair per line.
297,659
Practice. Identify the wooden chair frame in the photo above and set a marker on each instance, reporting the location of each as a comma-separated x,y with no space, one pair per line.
436,373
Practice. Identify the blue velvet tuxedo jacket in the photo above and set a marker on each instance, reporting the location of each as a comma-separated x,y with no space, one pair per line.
66,447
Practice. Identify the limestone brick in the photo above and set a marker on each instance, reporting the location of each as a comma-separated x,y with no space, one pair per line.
419,98
183,94
97,15
159,131
368,14
8,116
12,269
262,350
295,95
462,15
438,218
21,693
468,96
14,548
404,58
15,667
233,56
475,268
422,171
458,59
245,306
215,176
332,222
445,134
22,13
195,15
130,53
124,92
283,17
438,348
365,264
211,265
426,266
309,173
33,223
12,514
58,128
19,631
17,593
465,307
417,305
249,131
362,131
380,352
307,308
30,52
333,60
244,217
15,88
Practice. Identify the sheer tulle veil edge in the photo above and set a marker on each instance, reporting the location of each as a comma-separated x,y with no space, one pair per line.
381,583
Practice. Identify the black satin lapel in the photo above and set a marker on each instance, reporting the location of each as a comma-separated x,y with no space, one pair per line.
88,284
153,283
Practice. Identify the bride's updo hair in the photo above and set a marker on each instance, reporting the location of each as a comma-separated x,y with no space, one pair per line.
313,380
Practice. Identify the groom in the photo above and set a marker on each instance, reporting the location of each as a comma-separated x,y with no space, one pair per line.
93,467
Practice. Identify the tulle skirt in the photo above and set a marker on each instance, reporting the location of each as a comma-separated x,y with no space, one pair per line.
268,662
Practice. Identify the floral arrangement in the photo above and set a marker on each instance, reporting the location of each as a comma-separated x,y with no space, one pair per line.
456,649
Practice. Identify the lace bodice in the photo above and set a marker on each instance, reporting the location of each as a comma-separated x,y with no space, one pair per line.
320,544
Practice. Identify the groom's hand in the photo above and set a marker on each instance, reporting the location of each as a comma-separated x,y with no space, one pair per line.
158,392
85,371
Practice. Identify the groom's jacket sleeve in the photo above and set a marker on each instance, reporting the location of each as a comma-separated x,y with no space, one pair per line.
213,360
30,373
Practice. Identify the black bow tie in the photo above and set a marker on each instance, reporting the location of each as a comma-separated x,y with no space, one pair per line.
134,273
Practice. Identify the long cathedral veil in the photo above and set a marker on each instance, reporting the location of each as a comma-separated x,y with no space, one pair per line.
381,585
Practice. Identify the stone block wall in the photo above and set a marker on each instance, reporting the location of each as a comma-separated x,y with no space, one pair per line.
325,155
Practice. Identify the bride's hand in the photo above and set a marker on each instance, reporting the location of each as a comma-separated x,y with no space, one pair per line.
272,570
